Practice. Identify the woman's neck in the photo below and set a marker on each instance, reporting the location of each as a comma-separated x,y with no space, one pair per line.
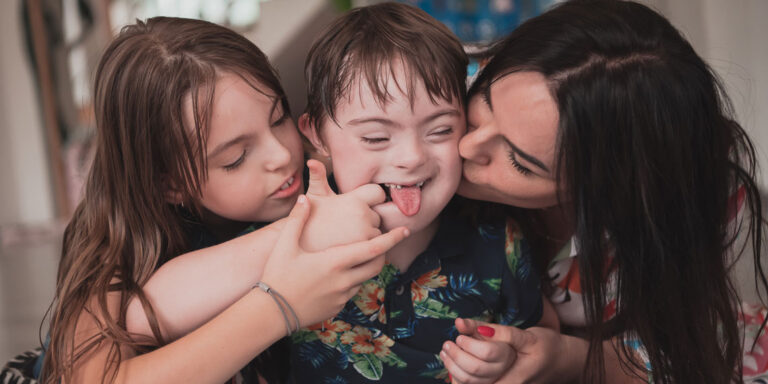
551,228
404,253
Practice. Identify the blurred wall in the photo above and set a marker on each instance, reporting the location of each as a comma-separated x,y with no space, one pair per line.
731,37
25,187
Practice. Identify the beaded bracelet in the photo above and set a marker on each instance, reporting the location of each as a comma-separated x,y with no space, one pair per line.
281,302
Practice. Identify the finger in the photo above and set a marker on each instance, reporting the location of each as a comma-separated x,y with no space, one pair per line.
458,374
318,181
371,194
368,270
472,365
515,337
486,350
351,255
289,237
466,326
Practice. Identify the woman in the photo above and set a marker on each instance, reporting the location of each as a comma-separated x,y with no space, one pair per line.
601,120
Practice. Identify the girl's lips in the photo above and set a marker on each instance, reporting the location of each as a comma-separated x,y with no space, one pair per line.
293,187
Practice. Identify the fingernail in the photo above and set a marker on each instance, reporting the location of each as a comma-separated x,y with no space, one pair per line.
446,347
486,331
302,199
407,232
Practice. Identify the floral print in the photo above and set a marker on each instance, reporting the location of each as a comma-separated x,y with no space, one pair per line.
393,329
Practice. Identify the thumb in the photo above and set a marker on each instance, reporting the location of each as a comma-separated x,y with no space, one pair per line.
318,182
288,241
515,337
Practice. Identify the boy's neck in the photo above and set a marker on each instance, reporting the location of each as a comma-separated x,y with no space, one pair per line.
404,253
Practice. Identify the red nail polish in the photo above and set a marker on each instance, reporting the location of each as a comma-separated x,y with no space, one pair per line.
486,331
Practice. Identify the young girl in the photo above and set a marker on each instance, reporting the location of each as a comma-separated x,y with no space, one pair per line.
194,143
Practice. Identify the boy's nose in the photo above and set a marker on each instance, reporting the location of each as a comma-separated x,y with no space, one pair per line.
411,154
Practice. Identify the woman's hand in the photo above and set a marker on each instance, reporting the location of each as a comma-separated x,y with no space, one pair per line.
489,353
339,219
318,284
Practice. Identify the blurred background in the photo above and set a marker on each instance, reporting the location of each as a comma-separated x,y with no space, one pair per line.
49,49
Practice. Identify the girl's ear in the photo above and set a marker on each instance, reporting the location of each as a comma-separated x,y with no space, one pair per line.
172,194
309,131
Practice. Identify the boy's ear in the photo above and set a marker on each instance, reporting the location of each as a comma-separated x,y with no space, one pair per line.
309,131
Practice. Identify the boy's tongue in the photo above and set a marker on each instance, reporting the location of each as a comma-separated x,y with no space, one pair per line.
407,199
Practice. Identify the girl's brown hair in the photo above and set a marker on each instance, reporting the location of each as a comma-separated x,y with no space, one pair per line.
125,227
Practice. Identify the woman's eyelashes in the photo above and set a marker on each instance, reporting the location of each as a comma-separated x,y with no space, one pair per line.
233,165
519,167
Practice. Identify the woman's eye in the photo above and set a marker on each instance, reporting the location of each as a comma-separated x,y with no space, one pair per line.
236,163
519,167
374,140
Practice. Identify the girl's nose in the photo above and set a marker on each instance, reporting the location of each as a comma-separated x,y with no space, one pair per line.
279,155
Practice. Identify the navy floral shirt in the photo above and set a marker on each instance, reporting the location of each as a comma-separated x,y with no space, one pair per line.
394,328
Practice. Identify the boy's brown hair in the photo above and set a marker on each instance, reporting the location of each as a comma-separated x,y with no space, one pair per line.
366,41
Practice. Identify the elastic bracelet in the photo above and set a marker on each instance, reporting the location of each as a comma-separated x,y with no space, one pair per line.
280,300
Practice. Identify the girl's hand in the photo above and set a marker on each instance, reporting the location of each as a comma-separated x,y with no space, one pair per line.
488,353
339,219
318,284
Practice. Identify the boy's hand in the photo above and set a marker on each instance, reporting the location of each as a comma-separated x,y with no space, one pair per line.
339,219
475,358
510,354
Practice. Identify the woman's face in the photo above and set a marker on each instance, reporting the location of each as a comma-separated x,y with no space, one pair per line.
509,150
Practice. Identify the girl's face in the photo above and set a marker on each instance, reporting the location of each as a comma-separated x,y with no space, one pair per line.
509,149
254,154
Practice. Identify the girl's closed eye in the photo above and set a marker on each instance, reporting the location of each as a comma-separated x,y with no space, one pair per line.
519,167
233,165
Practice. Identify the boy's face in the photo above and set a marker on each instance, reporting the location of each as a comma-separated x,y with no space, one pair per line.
411,151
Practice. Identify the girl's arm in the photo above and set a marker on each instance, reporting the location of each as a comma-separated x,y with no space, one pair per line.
315,284
191,289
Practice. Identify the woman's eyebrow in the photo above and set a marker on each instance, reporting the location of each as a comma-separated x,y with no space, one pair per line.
526,156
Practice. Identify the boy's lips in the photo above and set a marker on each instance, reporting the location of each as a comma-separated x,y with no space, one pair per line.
288,188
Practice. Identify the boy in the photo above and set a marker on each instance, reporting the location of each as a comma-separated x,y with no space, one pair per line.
386,105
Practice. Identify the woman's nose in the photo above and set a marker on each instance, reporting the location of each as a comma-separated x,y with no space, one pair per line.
474,146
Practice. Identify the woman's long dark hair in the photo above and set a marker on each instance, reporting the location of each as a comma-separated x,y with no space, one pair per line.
124,228
650,158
